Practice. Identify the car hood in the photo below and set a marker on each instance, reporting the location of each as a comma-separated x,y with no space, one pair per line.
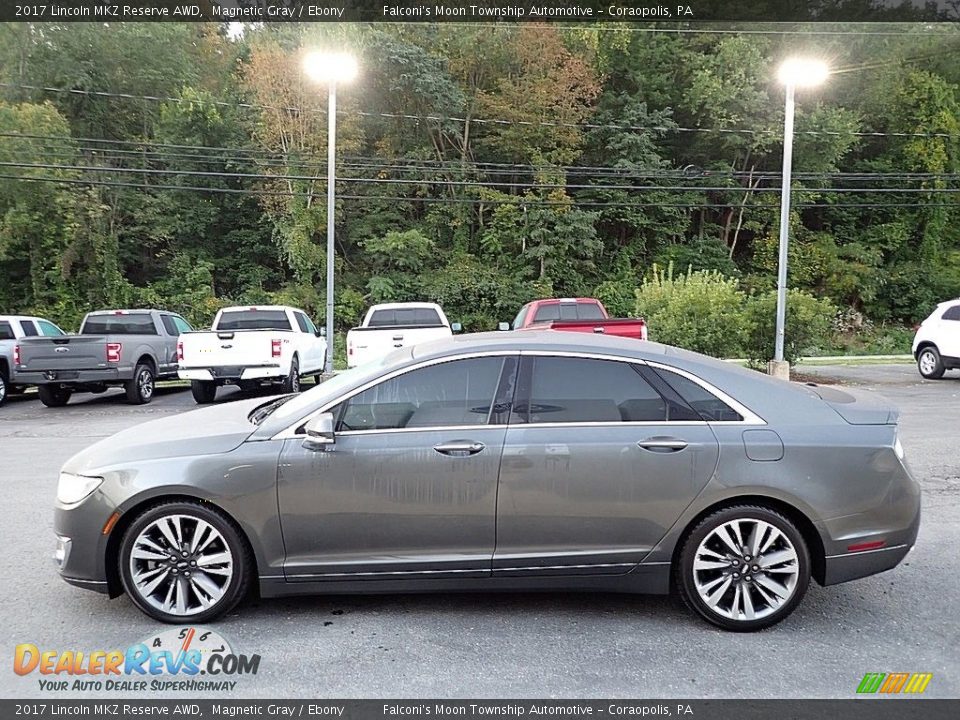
217,429
856,406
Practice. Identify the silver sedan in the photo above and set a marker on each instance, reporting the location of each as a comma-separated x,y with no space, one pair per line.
504,461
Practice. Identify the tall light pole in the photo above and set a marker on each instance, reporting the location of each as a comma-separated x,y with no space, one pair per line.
793,73
330,68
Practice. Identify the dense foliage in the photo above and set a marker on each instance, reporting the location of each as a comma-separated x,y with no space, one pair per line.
177,166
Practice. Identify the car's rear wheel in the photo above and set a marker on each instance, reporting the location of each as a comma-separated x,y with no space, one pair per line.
204,391
930,364
140,387
292,382
184,561
744,568
4,387
53,396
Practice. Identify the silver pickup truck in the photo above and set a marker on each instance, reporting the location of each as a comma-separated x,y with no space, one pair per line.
127,348
13,328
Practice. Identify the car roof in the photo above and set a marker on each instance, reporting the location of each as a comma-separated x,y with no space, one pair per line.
241,308
403,305
127,311
551,340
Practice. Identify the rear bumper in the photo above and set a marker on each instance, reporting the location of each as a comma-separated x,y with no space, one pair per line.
853,566
233,373
69,377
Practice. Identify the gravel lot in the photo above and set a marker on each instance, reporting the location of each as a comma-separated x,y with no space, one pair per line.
549,645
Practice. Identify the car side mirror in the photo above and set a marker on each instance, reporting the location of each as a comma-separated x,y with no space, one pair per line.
321,332
319,431
503,326
456,327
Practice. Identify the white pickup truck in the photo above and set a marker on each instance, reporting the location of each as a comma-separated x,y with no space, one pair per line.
250,346
395,325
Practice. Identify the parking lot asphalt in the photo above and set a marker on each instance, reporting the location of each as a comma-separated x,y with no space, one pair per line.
556,645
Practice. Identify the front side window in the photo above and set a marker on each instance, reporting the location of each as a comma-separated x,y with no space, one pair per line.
182,325
459,392
28,328
48,329
579,390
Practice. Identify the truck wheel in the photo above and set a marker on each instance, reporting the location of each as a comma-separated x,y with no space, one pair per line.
292,382
140,387
4,387
54,396
204,391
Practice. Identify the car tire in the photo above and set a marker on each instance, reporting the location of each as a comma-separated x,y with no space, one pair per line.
54,396
141,386
754,588
4,387
206,573
204,391
930,364
291,383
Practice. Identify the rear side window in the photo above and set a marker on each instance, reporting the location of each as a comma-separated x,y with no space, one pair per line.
122,324
302,322
521,316
708,405
29,329
580,390
254,320
168,325
400,317
48,329
6,332
952,313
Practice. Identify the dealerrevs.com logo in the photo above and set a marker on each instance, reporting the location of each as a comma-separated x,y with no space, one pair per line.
189,659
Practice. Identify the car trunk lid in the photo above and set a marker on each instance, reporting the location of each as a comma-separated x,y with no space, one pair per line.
856,406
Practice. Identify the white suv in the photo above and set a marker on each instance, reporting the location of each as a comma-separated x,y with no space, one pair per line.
936,346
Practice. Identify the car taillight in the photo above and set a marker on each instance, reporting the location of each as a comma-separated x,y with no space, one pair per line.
16,354
113,352
179,350
275,348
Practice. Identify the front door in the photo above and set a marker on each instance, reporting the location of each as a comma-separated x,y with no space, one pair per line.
597,465
409,487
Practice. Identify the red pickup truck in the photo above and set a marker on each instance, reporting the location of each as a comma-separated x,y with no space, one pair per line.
576,315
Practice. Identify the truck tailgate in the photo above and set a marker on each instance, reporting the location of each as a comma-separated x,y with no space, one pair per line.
366,344
64,352
621,327
227,348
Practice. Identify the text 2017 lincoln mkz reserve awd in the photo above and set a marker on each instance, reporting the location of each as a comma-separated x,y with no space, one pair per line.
503,461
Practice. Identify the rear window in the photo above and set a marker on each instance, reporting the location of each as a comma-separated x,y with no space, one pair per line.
568,311
254,320
404,317
123,324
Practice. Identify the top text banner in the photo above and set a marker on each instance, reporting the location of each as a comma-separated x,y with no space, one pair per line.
670,11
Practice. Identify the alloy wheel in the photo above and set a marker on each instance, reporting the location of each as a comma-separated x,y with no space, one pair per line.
145,384
746,569
928,363
181,565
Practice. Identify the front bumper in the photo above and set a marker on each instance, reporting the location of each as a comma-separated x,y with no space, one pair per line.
232,373
81,551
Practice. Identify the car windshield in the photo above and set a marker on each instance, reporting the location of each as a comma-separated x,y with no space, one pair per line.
264,411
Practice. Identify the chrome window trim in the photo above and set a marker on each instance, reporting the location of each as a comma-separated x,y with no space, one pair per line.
750,418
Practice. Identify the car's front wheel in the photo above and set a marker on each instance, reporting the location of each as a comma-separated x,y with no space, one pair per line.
744,568
930,364
184,561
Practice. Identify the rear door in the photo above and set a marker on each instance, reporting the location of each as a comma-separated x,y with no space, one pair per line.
949,332
597,465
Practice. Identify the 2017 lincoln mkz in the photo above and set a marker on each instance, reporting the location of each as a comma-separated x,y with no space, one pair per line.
503,461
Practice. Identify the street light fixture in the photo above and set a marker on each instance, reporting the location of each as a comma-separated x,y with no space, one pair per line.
794,73
330,68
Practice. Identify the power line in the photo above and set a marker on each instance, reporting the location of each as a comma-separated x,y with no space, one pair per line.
487,121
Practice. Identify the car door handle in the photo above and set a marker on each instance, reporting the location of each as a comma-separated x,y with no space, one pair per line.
460,447
662,444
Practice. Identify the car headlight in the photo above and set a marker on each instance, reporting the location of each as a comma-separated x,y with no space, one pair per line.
74,488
